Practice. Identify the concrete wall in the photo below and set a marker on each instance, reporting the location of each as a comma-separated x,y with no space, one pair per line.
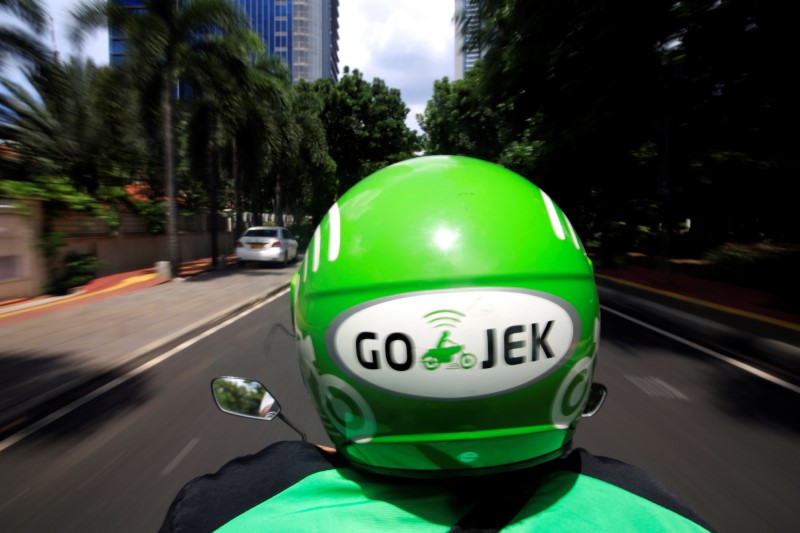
132,252
22,270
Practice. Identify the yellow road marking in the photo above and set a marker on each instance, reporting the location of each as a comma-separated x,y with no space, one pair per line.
124,283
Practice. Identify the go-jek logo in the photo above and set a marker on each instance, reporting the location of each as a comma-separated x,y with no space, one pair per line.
485,342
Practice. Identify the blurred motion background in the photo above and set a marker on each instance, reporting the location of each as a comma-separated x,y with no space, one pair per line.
666,131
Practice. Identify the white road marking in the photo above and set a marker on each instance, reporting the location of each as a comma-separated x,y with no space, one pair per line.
19,495
738,364
675,392
656,387
180,457
33,428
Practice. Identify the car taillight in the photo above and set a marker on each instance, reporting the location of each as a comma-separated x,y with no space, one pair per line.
239,244
276,244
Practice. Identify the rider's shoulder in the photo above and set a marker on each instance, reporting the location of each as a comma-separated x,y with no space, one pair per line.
241,484
630,478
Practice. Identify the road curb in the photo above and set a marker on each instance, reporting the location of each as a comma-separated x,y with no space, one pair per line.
699,302
765,343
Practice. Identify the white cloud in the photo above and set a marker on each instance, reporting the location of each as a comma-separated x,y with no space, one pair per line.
95,45
407,44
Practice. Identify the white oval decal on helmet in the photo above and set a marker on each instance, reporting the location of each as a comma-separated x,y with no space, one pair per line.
459,343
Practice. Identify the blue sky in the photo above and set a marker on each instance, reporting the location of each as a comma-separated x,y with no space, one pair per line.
408,44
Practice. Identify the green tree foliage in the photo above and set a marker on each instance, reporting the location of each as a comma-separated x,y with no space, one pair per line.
365,126
733,117
61,143
161,41
261,140
55,129
649,113
458,120
238,397
60,150
314,186
19,40
74,135
244,138
216,71
131,153
587,71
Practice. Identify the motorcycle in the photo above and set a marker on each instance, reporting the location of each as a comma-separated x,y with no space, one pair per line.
454,355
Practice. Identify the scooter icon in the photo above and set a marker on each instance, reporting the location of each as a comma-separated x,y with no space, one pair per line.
453,355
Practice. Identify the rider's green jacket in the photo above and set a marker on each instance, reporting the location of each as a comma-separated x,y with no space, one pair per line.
296,486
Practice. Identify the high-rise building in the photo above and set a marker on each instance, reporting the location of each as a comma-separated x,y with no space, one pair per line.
466,60
303,33
117,49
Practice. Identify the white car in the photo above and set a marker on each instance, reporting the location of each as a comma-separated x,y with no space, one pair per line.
268,244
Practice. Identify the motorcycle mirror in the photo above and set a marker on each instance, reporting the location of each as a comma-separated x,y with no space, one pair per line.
244,397
597,395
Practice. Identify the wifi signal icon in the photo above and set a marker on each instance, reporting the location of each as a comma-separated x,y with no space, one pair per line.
444,318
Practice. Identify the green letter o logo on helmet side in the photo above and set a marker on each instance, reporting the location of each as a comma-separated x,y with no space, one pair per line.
487,342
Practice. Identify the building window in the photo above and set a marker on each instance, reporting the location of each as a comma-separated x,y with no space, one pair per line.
118,47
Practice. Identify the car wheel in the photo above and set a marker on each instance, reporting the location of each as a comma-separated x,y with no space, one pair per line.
242,264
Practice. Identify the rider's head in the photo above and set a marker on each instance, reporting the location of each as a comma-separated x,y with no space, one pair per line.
452,244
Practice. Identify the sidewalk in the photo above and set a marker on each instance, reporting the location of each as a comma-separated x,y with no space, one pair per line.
52,346
15,310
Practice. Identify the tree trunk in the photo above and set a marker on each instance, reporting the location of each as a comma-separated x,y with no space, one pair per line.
213,192
170,180
237,189
257,205
663,195
278,202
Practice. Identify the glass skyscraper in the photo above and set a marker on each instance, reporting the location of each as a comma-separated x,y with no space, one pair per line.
466,60
303,33
116,39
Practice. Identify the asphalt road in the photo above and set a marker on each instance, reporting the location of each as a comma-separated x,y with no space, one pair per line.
116,463
723,440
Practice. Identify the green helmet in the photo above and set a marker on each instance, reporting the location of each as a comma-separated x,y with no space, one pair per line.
447,320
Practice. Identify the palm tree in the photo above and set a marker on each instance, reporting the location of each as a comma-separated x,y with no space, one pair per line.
161,40
259,134
216,74
66,144
20,42
272,93
53,127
